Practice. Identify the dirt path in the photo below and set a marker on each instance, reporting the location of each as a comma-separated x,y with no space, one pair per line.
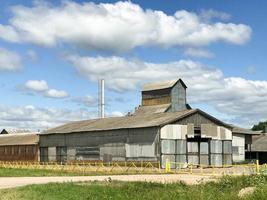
11,182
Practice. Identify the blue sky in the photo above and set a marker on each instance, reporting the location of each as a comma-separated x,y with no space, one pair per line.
52,53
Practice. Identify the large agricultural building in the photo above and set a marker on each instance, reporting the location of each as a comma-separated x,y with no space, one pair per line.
163,127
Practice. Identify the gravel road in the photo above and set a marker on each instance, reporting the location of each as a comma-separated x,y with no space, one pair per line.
11,182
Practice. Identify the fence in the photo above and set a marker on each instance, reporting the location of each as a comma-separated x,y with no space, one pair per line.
141,167
238,169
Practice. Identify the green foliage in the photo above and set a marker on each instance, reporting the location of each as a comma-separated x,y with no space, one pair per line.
260,126
226,188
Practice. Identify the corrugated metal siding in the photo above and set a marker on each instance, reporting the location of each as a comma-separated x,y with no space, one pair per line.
238,147
19,153
178,97
111,144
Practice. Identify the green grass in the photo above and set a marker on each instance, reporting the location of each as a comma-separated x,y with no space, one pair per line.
12,172
225,189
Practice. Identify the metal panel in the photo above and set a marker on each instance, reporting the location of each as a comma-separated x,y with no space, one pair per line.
227,147
173,132
192,147
71,152
180,146
227,159
216,160
140,150
52,153
171,158
193,159
204,160
168,146
190,130
204,148
180,159
216,146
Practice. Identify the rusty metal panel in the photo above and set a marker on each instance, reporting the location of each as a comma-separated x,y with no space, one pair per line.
168,146
19,153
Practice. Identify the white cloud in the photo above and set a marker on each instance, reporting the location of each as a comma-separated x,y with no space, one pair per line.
245,100
88,100
9,60
52,93
42,87
193,52
208,15
117,27
36,118
36,85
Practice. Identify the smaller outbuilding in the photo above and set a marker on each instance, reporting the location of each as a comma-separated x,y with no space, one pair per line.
258,150
19,147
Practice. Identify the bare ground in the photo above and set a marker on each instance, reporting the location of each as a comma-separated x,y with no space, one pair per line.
11,182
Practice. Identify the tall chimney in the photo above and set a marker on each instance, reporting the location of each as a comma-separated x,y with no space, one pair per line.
102,99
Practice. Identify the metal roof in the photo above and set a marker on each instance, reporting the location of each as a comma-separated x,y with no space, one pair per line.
19,139
259,142
114,123
143,110
127,122
161,85
239,130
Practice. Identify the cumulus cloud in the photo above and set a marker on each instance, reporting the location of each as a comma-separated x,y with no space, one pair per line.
42,87
36,85
194,52
9,60
31,117
36,118
87,101
238,97
117,27
208,15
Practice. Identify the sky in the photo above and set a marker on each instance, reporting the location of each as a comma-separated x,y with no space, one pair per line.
53,53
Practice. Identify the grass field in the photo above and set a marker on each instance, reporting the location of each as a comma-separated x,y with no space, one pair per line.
226,188
9,172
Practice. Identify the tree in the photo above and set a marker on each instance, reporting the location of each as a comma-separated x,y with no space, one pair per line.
260,126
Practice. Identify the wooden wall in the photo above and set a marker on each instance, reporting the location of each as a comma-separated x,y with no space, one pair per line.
19,153
156,101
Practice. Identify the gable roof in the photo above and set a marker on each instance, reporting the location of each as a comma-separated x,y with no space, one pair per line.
19,139
239,130
162,85
127,122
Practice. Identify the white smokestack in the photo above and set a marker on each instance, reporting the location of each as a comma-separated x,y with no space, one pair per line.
102,99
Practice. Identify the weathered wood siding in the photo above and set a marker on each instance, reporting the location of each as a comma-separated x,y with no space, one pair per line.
196,119
156,97
19,153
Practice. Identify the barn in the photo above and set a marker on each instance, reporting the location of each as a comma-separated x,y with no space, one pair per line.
163,127
19,147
